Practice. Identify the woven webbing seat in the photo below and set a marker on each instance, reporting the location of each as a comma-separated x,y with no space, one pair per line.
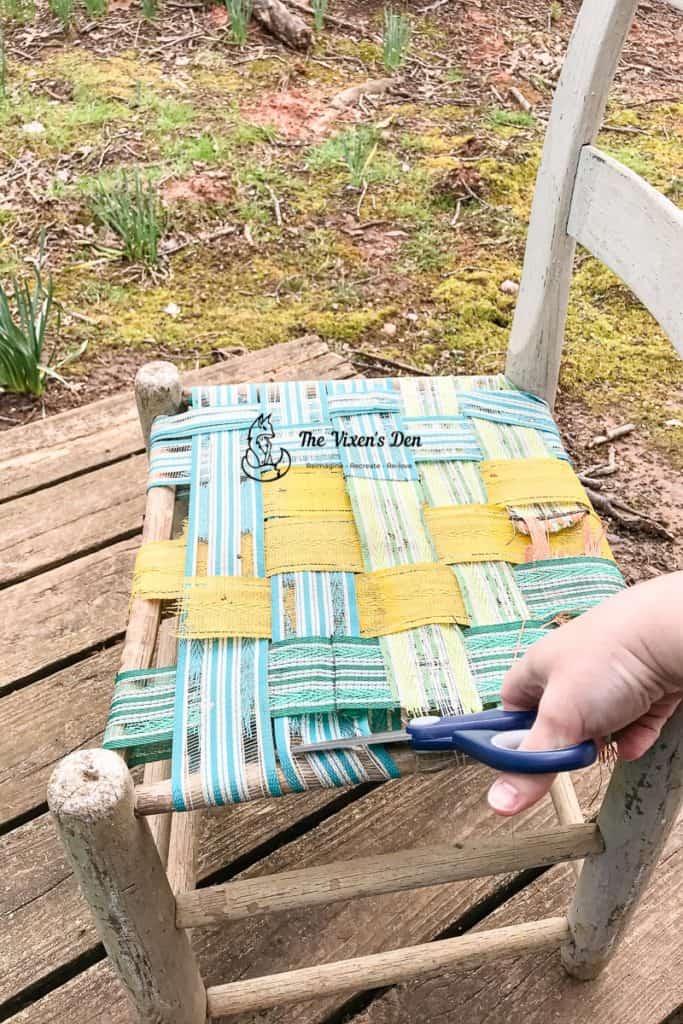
355,552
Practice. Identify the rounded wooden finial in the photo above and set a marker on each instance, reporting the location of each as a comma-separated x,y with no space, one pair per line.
158,391
88,785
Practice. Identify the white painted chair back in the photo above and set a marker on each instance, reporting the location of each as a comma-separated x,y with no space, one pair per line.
583,195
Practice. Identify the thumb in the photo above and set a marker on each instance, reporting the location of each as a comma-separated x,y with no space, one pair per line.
513,792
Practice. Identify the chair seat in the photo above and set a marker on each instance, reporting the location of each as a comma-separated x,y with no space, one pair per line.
356,552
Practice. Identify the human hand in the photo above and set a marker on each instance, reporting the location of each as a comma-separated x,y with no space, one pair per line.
616,671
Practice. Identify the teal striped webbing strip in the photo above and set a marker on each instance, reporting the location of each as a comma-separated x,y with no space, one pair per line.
492,650
324,674
141,714
567,586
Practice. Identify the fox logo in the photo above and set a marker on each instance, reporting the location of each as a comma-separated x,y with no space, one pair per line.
262,460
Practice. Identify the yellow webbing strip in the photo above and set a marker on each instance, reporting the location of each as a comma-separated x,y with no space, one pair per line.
391,600
484,533
301,543
306,490
532,482
474,533
225,606
160,569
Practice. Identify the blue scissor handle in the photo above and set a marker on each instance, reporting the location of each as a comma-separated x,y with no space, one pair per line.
475,735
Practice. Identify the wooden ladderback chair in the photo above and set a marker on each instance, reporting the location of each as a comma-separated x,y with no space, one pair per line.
133,854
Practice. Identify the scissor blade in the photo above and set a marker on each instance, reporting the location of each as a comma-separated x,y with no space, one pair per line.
348,742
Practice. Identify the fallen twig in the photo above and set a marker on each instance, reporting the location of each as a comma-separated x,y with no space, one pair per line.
204,236
375,357
604,468
611,434
276,206
520,99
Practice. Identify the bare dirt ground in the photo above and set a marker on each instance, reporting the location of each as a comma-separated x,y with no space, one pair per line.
268,236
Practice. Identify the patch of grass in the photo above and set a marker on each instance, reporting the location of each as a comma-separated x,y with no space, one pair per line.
171,114
240,16
134,213
514,118
455,76
95,8
20,11
396,40
425,252
63,11
358,151
319,11
150,9
205,149
555,11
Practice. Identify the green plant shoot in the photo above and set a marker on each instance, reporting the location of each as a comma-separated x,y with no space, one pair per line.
240,16
63,11
319,11
396,39
134,213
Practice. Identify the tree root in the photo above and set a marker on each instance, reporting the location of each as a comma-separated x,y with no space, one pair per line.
633,520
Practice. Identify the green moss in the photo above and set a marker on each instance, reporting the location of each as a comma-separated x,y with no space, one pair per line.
517,118
118,77
368,52
476,315
616,354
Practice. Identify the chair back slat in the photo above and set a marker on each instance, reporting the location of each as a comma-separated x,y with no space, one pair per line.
635,231
537,335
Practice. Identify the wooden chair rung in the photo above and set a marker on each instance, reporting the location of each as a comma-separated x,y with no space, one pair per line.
388,968
392,872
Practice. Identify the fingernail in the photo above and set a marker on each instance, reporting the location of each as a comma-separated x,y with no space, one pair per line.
503,796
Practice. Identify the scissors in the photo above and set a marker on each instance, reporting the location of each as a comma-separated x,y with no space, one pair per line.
491,737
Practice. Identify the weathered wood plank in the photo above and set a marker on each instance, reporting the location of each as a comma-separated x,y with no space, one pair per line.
48,451
635,231
43,722
67,610
59,523
644,981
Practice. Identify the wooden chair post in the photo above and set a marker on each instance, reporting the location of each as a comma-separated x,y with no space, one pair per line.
537,335
119,869
640,808
158,392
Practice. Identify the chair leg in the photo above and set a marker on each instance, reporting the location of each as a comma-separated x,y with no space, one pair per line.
117,864
639,810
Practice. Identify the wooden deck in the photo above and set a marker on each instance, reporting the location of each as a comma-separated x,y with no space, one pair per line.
72,489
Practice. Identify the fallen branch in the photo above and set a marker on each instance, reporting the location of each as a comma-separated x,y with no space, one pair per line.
520,99
611,434
289,28
604,468
374,357
634,520
202,237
